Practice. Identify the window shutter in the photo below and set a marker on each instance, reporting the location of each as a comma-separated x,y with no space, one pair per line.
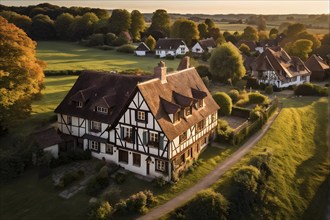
161,142
145,137
122,133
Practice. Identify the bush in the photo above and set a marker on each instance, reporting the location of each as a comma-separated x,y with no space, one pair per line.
93,187
234,95
169,57
119,41
252,83
151,199
127,48
224,101
70,177
137,202
269,90
241,84
243,99
257,98
121,206
101,212
109,38
96,40
160,182
203,71
224,131
205,56
207,205
112,195
309,89
120,178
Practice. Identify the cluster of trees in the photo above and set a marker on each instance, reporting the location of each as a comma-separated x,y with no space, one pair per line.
21,74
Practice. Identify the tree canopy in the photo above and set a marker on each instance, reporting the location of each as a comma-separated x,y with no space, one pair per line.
138,25
300,48
62,25
185,29
226,63
250,33
202,29
21,74
160,21
150,42
119,21
43,28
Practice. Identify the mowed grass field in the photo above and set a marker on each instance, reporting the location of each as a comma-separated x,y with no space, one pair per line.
71,56
297,142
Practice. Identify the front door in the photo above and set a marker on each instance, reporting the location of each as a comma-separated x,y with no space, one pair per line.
148,167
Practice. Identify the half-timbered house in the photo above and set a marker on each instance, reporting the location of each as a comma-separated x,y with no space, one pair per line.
151,125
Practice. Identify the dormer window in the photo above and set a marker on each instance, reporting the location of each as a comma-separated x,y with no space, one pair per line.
200,103
102,109
176,117
187,111
79,105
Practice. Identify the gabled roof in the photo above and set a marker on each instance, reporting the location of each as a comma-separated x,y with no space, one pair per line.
277,59
206,43
169,43
47,138
142,47
182,88
109,90
316,63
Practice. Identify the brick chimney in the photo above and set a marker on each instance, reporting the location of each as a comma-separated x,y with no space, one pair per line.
184,64
160,72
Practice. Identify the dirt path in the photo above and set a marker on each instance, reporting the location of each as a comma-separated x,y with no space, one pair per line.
212,177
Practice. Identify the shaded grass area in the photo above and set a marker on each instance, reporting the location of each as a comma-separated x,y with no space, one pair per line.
297,142
71,56
30,198
42,109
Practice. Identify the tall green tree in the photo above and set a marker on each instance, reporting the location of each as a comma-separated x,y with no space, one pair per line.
185,29
273,33
203,32
21,74
119,21
216,35
300,48
226,63
210,23
138,25
62,25
21,21
294,29
83,26
150,42
250,33
261,23
160,21
43,28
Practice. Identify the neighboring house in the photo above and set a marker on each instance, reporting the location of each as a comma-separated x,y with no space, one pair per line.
318,67
170,46
48,140
262,45
205,45
275,67
142,49
151,125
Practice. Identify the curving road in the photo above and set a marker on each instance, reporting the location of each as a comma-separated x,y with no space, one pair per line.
212,177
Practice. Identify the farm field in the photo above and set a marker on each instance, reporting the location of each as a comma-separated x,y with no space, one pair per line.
71,56
299,160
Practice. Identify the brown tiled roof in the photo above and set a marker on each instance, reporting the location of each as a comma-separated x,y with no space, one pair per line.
169,43
184,63
206,43
47,138
277,59
163,99
316,63
142,47
105,89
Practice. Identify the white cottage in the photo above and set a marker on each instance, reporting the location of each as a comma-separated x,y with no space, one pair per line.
151,125
142,49
170,46
205,45
275,67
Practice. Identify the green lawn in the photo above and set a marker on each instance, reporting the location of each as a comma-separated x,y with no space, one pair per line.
71,56
298,143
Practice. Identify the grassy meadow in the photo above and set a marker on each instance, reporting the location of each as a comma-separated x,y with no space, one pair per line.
71,56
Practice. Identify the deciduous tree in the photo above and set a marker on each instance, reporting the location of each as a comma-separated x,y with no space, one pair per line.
250,33
62,25
300,48
150,42
21,74
43,28
119,21
185,29
138,25
160,21
203,32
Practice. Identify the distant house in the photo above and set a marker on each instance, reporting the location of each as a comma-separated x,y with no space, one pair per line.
142,49
170,46
275,67
318,67
201,46
48,140
153,125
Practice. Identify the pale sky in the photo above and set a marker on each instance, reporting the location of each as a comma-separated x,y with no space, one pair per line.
197,6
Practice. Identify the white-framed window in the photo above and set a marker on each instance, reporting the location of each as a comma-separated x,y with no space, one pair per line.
153,137
109,148
136,159
127,134
188,111
200,103
102,109
79,105
141,115
69,120
160,165
95,126
183,50
94,145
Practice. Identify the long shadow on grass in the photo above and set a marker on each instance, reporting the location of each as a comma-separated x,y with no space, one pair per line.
60,82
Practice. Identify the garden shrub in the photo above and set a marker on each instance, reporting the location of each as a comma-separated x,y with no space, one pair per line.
203,71
70,177
243,99
151,199
269,90
93,187
205,56
126,48
137,202
160,182
207,205
109,38
224,131
257,98
169,57
277,89
309,89
96,40
121,206
120,178
262,86
112,195
119,41
224,101
252,82
241,84
234,95
101,212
